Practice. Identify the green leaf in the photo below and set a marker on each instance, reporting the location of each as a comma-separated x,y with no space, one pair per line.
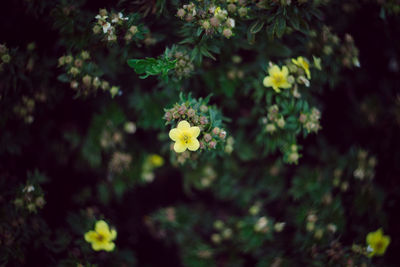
256,27
280,27
152,66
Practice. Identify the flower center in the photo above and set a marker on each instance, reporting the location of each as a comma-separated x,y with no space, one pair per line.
185,139
100,237
278,78
379,245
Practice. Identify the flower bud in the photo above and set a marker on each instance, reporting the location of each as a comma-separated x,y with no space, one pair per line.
227,33
6,58
216,238
133,29
231,8
212,144
87,81
74,71
207,137
222,134
96,82
181,13
96,29
242,11
270,128
74,84
130,127
214,22
105,85
278,227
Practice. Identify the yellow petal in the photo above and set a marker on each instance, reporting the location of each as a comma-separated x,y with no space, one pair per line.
285,85
267,81
174,134
97,246
102,227
90,236
193,145
285,71
113,234
109,246
183,125
193,131
179,147
276,88
273,70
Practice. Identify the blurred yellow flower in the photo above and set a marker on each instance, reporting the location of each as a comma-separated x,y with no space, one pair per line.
185,137
303,63
156,160
277,78
377,243
101,238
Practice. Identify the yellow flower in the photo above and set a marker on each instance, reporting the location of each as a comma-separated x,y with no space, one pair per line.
303,63
377,243
156,160
277,78
101,238
185,137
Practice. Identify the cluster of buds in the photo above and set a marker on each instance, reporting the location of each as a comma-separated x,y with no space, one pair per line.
119,162
229,145
181,158
213,19
235,73
5,57
365,167
30,199
208,176
81,81
184,66
274,120
291,154
261,225
26,108
107,23
337,180
223,232
311,227
331,43
151,162
110,138
349,52
311,120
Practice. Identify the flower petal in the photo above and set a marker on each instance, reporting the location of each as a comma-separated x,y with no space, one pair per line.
102,227
183,125
267,81
179,147
109,246
285,71
175,134
273,70
90,236
194,131
113,234
97,246
193,145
